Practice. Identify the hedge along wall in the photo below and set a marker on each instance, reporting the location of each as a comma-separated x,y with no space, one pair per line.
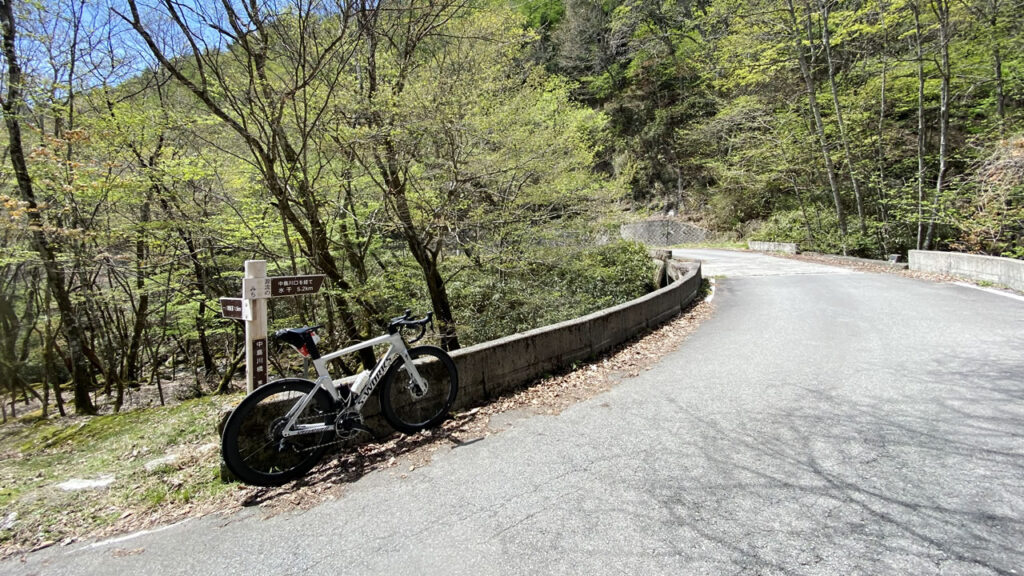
490,369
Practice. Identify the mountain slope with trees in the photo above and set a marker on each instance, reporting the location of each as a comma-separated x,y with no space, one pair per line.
866,127
411,153
471,158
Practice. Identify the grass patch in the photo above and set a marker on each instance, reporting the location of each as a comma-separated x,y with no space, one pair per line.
158,458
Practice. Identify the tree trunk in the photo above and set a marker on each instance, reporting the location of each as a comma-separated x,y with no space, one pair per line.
810,85
997,65
9,325
920,123
826,40
12,103
427,259
50,372
225,380
941,10
880,149
131,364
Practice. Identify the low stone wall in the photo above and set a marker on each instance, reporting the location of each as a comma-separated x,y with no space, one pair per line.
662,232
1003,271
787,247
490,369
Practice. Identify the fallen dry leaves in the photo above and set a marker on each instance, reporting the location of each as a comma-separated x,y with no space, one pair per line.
879,267
401,455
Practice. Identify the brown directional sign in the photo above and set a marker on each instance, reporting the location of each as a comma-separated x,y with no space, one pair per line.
259,361
295,285
231,308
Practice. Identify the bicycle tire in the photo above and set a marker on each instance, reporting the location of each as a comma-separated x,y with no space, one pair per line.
256,453
401,408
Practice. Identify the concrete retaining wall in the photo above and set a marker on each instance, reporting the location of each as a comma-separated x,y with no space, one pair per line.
490,369
1003,271
662,232
787,247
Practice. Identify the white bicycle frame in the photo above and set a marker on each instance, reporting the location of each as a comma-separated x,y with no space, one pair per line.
361,388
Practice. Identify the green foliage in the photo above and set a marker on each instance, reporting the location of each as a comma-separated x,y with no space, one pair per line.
790,226
542,13
990,216
820,233
549,285
492,144
758,156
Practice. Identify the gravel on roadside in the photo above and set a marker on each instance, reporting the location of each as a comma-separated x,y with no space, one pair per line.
881,267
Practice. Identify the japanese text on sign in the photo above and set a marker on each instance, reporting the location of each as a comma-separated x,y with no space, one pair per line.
253,288
231,308
259,357
295,285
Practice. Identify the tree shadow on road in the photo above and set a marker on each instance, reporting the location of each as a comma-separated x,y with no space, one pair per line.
927,481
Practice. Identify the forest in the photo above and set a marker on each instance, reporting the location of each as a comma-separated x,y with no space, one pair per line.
471,158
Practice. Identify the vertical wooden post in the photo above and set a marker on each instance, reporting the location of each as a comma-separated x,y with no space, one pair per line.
256,329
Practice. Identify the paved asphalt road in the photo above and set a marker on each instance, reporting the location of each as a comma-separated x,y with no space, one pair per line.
821,422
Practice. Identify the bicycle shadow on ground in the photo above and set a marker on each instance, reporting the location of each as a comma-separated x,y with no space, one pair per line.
350,463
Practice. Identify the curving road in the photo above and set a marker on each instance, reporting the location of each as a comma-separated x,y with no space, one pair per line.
821,422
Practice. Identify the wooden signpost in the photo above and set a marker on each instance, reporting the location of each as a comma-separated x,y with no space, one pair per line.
252,308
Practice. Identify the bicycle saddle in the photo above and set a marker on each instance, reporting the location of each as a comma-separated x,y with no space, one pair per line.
299,338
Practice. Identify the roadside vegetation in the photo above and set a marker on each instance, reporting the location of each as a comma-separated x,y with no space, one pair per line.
416,157
161,465
154,465
474,159
867,128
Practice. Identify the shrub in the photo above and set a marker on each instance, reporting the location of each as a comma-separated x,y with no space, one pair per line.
549,285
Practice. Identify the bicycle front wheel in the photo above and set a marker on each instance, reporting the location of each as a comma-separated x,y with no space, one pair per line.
406,406
253,446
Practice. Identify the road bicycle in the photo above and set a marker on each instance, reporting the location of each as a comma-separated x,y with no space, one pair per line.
282,429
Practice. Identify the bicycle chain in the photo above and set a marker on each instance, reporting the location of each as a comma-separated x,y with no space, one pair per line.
336,439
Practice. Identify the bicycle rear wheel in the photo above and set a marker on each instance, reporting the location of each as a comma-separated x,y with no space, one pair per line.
252,444
409,409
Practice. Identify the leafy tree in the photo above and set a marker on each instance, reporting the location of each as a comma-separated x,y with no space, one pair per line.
46,244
